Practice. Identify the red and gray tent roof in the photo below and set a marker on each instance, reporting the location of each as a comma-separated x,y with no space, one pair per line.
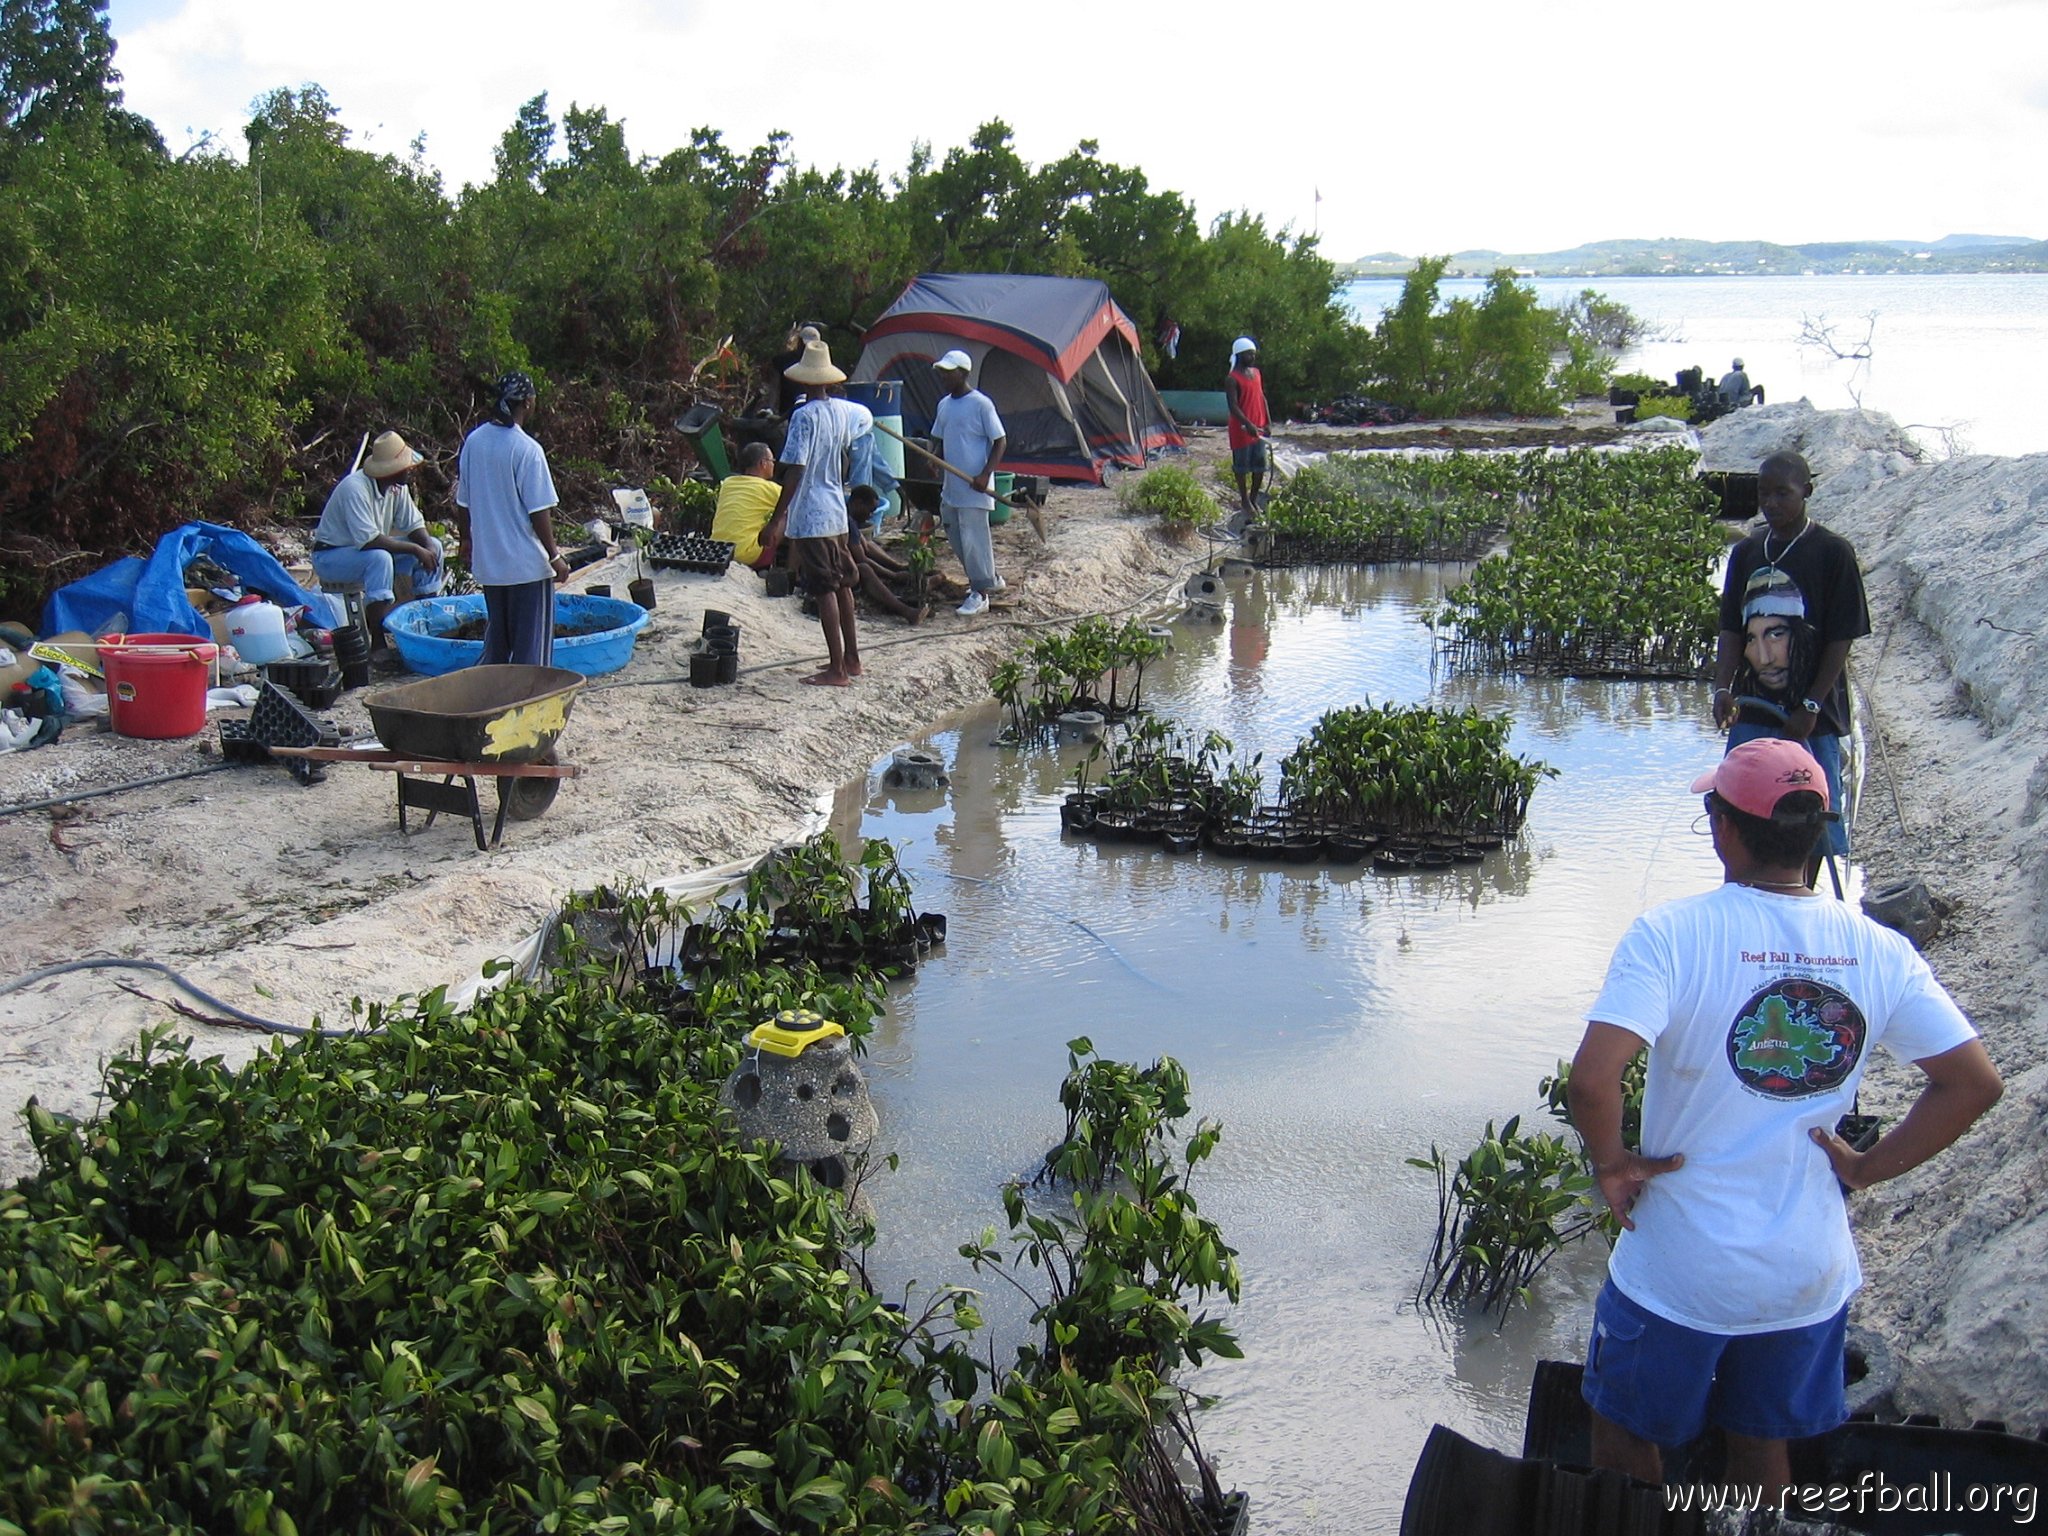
1056,355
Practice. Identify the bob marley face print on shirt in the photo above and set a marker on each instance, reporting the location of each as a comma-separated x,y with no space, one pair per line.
1795,1039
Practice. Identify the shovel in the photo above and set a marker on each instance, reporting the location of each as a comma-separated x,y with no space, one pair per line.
1033,514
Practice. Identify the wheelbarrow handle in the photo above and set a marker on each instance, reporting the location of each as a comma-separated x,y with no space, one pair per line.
950,468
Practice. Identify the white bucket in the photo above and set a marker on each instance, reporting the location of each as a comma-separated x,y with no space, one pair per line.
256,631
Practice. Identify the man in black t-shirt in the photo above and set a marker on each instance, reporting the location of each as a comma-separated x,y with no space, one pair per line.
1821,565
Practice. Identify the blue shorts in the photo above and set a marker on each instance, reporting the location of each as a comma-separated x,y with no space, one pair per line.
1250,459
1665,1383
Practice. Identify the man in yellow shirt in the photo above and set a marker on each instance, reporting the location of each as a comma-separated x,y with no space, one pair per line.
746,500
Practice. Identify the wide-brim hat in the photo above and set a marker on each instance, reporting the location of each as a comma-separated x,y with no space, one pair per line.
389,455
814,367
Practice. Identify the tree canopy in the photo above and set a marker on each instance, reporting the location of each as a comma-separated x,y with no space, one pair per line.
210,335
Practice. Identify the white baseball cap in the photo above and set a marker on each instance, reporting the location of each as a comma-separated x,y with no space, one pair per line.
954,361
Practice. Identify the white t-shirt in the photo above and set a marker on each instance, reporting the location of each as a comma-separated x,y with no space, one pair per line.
821,436
1760,1010
966,426
502,477
357,512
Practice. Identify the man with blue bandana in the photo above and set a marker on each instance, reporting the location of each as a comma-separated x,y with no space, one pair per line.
503,493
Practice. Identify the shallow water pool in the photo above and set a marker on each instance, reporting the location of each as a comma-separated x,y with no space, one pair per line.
1336,1020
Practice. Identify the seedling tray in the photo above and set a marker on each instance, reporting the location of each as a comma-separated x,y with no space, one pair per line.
688,552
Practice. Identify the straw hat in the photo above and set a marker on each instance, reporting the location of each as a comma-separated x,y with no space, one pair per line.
816,366
389,455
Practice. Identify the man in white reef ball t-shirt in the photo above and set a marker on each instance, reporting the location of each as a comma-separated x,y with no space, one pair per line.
1727,1295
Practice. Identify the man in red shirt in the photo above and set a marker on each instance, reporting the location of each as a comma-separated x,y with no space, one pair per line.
1250,423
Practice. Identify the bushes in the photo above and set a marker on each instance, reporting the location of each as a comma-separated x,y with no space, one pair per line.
1372,508
1607,572
1504,353
1413,770
1677,407
507,1267
1173,495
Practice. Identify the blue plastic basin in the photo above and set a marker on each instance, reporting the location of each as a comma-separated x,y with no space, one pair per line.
420,631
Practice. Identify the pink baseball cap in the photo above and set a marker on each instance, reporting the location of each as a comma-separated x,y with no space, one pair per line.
1755,776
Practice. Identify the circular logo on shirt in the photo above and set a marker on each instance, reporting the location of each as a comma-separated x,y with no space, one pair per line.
1795,1039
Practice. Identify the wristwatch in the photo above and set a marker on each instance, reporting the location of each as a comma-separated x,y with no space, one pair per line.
1811,707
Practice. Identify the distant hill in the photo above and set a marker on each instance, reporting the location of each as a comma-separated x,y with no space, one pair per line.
1671,256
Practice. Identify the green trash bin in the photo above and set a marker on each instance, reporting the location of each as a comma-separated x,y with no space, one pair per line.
1005,482
700,425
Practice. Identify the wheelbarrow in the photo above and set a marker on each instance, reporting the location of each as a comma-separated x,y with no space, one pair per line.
482,722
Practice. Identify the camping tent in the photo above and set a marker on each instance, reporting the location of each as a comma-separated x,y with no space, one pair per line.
1055,354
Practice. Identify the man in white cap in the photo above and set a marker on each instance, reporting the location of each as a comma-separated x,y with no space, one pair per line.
1244,390
370,533
971,437
1734,385
1728,1291
828,437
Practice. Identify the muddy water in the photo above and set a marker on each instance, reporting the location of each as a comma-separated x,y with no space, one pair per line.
1335,1021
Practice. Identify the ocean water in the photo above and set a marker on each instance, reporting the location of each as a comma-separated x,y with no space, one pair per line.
1953,357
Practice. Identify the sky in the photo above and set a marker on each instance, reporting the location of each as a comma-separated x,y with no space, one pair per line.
1514,127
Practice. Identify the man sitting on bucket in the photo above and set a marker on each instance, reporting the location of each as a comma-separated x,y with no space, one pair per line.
370,533
1728,1292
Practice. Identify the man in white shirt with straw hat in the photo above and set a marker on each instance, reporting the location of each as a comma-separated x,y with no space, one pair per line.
815,462
370,534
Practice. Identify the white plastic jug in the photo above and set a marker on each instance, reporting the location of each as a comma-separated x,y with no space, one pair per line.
256,631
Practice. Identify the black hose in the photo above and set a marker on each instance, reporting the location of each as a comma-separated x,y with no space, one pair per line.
115,789
233,1014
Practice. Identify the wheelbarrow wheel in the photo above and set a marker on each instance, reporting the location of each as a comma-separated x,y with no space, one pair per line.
526,799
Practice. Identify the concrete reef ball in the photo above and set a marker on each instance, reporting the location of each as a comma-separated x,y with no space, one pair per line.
815,1104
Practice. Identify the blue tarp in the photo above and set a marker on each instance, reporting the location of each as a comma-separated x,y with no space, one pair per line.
147,597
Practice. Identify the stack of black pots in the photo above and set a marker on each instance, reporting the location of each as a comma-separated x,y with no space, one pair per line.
717,659
352,645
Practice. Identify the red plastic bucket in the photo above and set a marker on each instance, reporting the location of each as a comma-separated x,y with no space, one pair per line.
156,684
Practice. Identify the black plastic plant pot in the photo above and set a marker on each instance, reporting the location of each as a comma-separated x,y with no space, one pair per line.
780,583
1180,837
1230,840
641,590
1114,826
1077,814
726,637
901,957
1301,848
715,619
728,665
1343,848
600,589
930,928
703,670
